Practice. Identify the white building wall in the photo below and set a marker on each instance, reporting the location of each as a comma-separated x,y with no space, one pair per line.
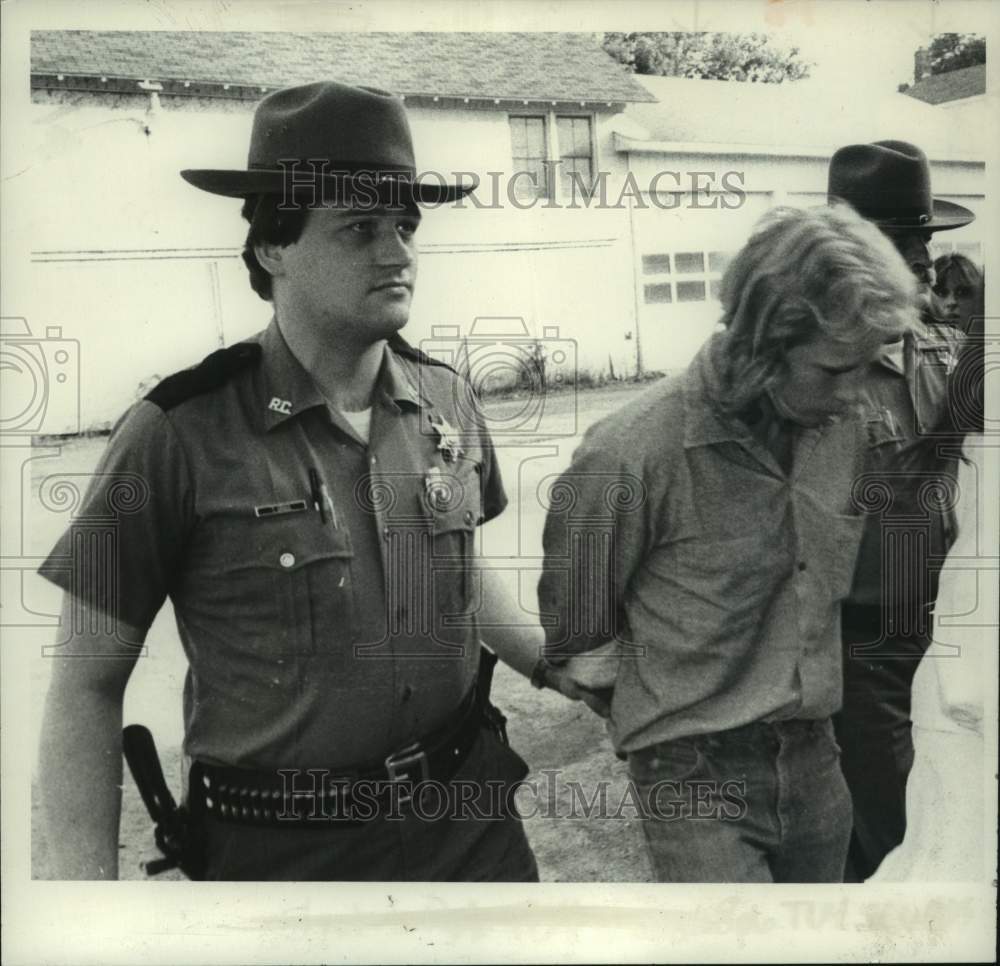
142,271
671,332
562,271
976,112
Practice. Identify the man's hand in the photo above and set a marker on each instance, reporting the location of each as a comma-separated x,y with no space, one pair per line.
519,644
559,680
596,669
589,677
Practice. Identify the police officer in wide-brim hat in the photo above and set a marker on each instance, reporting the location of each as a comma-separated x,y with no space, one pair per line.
327,142
889,183
887,617
308,500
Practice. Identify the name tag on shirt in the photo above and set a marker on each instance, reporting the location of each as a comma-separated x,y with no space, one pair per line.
275,509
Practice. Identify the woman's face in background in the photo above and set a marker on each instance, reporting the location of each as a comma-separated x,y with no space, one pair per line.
954,299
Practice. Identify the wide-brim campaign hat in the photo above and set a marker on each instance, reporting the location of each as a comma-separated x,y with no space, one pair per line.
889,183
332,141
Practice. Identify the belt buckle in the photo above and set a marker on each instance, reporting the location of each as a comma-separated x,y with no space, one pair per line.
398,763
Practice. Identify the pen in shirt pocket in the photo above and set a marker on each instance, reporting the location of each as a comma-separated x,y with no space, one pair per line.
322,501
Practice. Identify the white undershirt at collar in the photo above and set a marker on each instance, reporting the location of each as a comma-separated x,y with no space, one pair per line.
360,422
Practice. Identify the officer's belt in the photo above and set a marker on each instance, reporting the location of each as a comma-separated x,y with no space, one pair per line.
314,798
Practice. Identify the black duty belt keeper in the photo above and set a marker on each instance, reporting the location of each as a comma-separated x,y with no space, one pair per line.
318,798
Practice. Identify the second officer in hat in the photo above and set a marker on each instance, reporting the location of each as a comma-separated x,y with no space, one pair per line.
308,501
887,620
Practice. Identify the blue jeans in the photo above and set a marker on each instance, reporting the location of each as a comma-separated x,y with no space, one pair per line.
763,803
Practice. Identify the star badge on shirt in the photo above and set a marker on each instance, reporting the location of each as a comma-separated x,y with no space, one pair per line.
447,439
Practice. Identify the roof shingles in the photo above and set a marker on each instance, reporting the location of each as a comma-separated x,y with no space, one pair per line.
528,66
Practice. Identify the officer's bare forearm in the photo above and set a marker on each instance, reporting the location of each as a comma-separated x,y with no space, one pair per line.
80,763
80,777
515,636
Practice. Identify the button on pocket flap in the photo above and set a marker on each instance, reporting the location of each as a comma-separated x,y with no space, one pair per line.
454,499
246,544
305,545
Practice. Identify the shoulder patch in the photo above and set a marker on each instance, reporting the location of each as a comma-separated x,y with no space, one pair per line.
213,371
401,347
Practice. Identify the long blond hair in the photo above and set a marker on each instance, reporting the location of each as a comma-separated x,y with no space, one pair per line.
805,272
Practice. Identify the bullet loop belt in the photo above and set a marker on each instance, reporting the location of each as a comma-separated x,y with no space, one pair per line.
317,797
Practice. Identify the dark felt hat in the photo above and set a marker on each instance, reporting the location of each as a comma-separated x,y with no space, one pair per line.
889,183
343,141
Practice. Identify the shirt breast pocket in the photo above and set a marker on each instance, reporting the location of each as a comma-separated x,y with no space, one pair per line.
454,503
277,588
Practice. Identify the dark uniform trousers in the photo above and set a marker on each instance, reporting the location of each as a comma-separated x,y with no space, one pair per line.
874,733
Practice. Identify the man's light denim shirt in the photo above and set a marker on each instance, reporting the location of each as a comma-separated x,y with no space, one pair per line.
676,532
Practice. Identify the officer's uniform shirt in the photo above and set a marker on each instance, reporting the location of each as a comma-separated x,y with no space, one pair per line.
309,643
905,398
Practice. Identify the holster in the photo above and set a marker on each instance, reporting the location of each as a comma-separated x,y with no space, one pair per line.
178,830
493,717
182,844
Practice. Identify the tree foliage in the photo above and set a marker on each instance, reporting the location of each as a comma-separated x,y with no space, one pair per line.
718,56
954,51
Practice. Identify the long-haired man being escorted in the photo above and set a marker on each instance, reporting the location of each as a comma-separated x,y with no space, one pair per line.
698,548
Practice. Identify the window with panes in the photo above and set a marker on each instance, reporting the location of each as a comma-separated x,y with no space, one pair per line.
688,276
527,135
576,156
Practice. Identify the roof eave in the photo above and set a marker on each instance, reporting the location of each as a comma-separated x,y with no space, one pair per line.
242,90
624,144
533,101
116,84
